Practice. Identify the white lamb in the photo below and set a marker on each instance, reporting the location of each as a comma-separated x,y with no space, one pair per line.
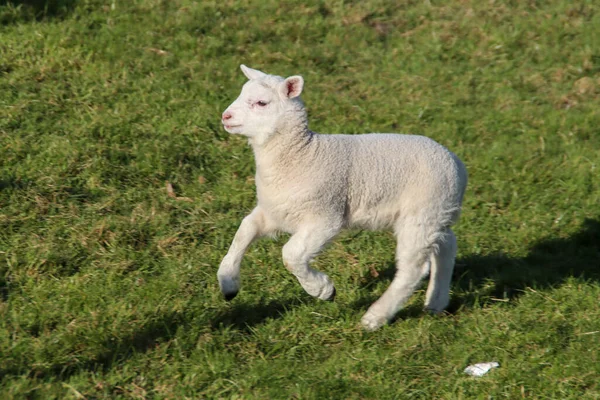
312,186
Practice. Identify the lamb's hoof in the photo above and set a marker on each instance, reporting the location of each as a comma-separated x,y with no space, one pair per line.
433,311
332,297
229,286
229,296
326,293
371,322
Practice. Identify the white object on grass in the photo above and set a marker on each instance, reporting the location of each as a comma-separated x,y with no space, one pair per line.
480,369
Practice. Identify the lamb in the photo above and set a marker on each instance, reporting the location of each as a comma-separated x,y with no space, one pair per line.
312,186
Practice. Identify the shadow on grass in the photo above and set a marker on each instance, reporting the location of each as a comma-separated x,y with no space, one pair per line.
149,336
549,263
478,280
244,316
28,10
162,329
11,182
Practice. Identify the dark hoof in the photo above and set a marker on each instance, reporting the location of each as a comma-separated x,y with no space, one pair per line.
332,297
230,296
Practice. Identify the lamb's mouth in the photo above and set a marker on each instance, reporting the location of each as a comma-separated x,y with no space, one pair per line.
231,126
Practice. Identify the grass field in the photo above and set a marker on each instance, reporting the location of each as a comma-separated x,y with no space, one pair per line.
108,280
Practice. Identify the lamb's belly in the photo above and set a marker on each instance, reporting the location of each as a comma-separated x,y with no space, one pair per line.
291,211
374,218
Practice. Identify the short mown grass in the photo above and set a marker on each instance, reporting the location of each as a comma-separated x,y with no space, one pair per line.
107,279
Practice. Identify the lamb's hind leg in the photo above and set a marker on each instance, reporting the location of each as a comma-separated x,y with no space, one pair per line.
300,249
442,264
412,265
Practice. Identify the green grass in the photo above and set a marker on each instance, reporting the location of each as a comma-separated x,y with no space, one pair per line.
108,284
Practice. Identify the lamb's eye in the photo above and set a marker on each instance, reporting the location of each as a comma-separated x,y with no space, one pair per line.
261,103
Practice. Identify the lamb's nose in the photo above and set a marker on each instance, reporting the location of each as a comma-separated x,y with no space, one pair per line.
227,115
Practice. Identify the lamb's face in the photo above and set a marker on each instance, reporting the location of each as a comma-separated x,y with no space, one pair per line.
261,105
255,111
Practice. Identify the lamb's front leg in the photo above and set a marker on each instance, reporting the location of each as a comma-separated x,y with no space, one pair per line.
252,227
300,249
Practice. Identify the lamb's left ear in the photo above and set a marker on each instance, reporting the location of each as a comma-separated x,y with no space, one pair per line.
252,73
291,87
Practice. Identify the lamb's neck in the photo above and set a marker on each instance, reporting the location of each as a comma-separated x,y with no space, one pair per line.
284,150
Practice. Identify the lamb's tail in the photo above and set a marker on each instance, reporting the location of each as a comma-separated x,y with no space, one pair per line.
441,232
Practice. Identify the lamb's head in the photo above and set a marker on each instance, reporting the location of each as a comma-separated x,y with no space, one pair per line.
268,104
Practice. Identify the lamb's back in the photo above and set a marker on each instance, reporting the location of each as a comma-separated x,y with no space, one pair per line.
390,174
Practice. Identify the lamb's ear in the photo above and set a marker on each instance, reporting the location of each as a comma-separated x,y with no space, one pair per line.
291,87
252,73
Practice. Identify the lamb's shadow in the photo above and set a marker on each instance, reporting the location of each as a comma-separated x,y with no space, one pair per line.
244,316
549,263
478,279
